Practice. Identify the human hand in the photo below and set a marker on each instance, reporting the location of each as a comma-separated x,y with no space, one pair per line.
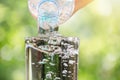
80,4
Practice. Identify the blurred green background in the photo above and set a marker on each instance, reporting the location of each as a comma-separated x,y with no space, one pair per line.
97,25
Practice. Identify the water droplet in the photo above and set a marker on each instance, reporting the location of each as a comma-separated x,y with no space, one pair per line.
49,76
64,71
71,62
52,64
33,63
65,64
57,78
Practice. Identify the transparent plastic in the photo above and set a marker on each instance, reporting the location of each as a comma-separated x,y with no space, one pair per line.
51,13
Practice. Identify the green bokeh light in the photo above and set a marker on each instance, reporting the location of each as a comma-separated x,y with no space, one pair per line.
97,26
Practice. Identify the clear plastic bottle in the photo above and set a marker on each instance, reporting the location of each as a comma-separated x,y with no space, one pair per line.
51,13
